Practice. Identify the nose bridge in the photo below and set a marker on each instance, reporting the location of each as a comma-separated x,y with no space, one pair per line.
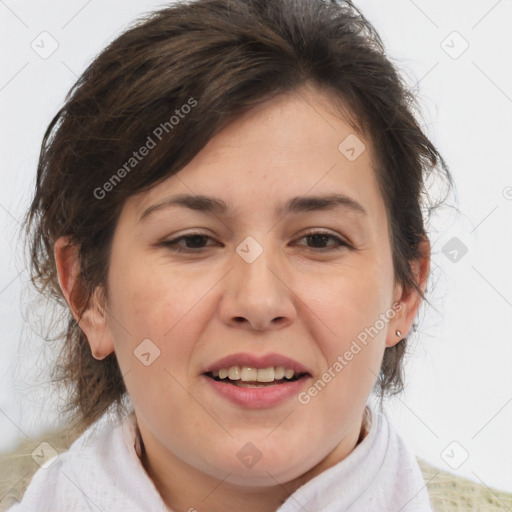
257,263
256,289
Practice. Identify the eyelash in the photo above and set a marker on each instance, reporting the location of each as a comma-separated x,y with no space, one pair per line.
173,244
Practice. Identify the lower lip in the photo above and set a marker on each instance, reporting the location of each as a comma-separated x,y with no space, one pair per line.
257,398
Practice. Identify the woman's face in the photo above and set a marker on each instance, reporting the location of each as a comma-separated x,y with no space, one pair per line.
252,284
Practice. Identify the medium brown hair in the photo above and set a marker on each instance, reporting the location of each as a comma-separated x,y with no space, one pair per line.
226,56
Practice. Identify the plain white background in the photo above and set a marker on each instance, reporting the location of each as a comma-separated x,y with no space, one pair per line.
457,409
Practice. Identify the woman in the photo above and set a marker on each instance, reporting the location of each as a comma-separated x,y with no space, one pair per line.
230,203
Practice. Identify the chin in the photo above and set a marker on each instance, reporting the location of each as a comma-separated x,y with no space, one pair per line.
251,467
263,475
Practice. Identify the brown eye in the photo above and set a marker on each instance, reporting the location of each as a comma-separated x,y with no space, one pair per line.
319,240
194,243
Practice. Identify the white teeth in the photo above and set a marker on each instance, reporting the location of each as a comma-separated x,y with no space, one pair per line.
250,374
279,372
234,373
266,374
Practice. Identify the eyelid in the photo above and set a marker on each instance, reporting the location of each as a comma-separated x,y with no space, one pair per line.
173,243
340,241
322,231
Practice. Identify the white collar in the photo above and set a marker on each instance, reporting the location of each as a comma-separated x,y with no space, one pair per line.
102,470
380,474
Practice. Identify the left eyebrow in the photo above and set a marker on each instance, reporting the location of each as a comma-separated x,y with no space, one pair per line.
302,204
297,204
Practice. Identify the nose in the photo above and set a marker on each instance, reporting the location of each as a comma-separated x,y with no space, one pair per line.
258,295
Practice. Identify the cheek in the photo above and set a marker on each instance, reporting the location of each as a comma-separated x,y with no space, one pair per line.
347,324
148,299
347,302
350,335
159,303
153,327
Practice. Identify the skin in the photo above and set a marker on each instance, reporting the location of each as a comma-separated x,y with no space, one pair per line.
296,299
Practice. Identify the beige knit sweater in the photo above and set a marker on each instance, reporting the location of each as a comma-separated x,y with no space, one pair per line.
448,492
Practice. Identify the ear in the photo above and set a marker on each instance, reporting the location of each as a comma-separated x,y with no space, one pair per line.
90,315
407,301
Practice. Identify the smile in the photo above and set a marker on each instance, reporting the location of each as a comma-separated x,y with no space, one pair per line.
255,381
246,376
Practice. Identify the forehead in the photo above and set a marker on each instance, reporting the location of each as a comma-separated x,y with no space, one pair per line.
293,145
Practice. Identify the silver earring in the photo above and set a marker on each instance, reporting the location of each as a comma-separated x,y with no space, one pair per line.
398,333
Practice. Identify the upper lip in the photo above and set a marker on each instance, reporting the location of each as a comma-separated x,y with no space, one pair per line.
256,361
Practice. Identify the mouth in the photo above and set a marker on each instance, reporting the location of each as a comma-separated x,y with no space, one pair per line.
256,381
250,377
